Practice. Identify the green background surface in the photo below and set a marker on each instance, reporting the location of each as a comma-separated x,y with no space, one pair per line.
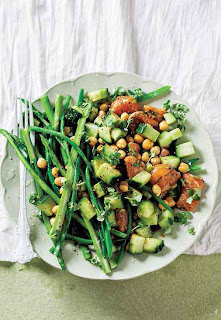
189,288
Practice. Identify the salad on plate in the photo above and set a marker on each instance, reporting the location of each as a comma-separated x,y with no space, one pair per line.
112,172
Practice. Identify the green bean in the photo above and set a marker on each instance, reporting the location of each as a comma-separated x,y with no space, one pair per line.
154,94
118,233
58,112
86,253
48,109
69,141
53,156
29,168
78,239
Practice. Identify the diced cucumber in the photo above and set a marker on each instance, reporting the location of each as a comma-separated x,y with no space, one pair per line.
93,114
145,209
134,196
98,95
112,119
113,202
108,154
96,163
99,122
86,208
185,149
117,133
165,139
91,129
171,160
108,174
153,245
149,167
166,219
176,134
144,232
141,179
152,221
111,218
104,133
45,204
169,117
100,189
147,131
136,244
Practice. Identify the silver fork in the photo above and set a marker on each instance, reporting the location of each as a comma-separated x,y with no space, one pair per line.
23,250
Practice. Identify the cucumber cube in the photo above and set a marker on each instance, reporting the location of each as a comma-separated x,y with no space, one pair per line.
144,232
165,139
141,179
176,134
136,244
166,219
98,95
169,117
104,133
108,174
145,209
91,129
171,160
86,208
185,149
117,133
152,245
151,221
147,131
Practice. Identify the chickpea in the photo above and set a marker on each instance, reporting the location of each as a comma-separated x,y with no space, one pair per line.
161,206
124,116
102,114
147,144
101,141
183,167
156,189
163,125
121,143
42,163
55,209
61,190
104,106
129,139
128,247
92,141
139,156
156,150
145,157
58,181
122,154
164,152
99,148
123,186
134,224
52,221
113,146
138,138
67,130
170,201
55,172
155,160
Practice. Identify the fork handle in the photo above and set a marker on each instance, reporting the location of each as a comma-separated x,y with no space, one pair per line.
23,251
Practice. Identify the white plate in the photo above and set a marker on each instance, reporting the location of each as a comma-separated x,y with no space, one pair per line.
131,266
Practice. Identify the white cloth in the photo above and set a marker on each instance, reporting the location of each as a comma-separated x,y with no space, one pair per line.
172,42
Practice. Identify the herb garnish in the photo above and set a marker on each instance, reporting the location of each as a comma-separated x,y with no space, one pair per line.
192,165
191,230
118,92
182,217
179,111
136,93
136,164
125,124
194,194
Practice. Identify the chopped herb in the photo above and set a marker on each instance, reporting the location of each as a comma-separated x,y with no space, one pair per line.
182,217
136,93
179,111
125,124
192,165
183,182
118,92
194,194
167,230
139,225
191,230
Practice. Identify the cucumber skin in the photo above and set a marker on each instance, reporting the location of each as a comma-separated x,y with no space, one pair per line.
185,149
171,160
145,209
